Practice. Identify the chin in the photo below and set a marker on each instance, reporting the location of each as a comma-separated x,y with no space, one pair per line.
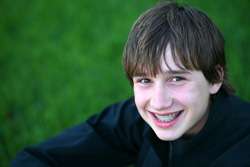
167,136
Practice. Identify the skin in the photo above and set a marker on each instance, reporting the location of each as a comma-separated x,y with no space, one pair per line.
174,91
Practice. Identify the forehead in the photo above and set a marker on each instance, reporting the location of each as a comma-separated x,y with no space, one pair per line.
162,58
168,63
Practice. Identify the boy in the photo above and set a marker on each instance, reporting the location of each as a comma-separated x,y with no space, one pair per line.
182,113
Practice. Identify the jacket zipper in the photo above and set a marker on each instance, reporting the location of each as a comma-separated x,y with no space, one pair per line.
170,154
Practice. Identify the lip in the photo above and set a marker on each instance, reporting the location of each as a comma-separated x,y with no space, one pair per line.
165,124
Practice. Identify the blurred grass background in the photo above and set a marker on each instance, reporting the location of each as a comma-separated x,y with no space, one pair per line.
60,61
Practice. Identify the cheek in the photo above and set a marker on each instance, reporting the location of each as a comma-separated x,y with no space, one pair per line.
141,97
195,97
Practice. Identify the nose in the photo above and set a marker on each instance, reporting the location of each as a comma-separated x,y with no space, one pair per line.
161,98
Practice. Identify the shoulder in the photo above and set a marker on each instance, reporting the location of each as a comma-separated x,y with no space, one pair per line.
236,122
119,117
238,102
238,155
240,109
120,123
232,104
124,112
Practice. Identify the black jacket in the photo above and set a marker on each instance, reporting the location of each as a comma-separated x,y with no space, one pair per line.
118,137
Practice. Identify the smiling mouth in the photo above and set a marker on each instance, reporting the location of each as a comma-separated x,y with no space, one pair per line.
167,118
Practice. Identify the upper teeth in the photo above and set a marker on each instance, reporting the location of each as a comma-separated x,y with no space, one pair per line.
167,118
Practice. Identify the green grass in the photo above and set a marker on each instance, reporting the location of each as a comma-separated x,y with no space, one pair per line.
60,61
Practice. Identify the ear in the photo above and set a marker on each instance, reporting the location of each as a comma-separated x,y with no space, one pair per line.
214,87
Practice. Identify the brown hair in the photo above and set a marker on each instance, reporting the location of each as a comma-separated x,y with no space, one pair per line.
195,41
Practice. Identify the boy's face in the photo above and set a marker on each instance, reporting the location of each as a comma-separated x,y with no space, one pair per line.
175,102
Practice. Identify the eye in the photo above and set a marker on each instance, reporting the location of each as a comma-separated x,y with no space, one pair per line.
177,79
145,80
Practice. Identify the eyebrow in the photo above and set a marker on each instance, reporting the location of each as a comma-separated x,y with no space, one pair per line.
172,72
